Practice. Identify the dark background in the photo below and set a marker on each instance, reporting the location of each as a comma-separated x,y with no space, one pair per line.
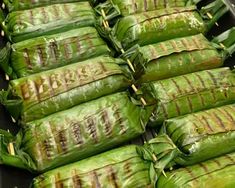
15,178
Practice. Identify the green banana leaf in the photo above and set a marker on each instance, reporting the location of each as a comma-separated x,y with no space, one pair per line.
179,56
41,94
74,134
189,93
197,137
26,24
120,8
14,5
160,25
52,51
215,173
121,167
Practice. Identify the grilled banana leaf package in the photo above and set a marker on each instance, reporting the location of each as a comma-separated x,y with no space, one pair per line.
74,134
120,8
215,173
52,51
197,137
189,93
126,166
38,95
180,56
14,5
160,25
57,18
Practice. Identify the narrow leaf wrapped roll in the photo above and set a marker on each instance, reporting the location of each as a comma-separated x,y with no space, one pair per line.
26,24
116,8
122,167
177,57
196,137
190,93
14,5
215,173
77,133
55,90
160,25
52,51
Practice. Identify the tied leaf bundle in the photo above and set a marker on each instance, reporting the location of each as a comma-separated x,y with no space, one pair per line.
44,93
121,8
190,93
218,172
52,51
77,133
179,56
160,25
26,24
14,5
121,167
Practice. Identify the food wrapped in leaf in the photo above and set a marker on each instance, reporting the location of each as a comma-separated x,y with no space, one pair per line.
122,167
41,94
180,56
52,51
190,93
14,5
196,137
215,173
120,8
74,134
57,18
160,25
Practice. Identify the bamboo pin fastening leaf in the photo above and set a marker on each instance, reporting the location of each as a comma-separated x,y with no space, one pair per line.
2,33
13,120
3,6
10,147
7,77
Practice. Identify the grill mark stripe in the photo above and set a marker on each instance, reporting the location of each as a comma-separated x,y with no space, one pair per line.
155,4
227,114
76,130
58,182
189,83
27,58
120,119
40,54
174,45
56,12
201,99
76,179
177,86
217,162
31,16
190,104
112,177
207,123
200,79
92,129
212,78
220,122
63,141
107,123
177,108
145,5
45,16
189,171
229,158
204,167
95,180
53,50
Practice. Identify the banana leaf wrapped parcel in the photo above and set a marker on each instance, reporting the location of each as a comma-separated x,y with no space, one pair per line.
214,173
14,5
197,137
160,25
57,18
125,167
38,95
52,51
179,56
189,93
76,133
121,8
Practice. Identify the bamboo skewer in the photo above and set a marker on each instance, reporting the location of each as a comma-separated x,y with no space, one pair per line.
106,25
